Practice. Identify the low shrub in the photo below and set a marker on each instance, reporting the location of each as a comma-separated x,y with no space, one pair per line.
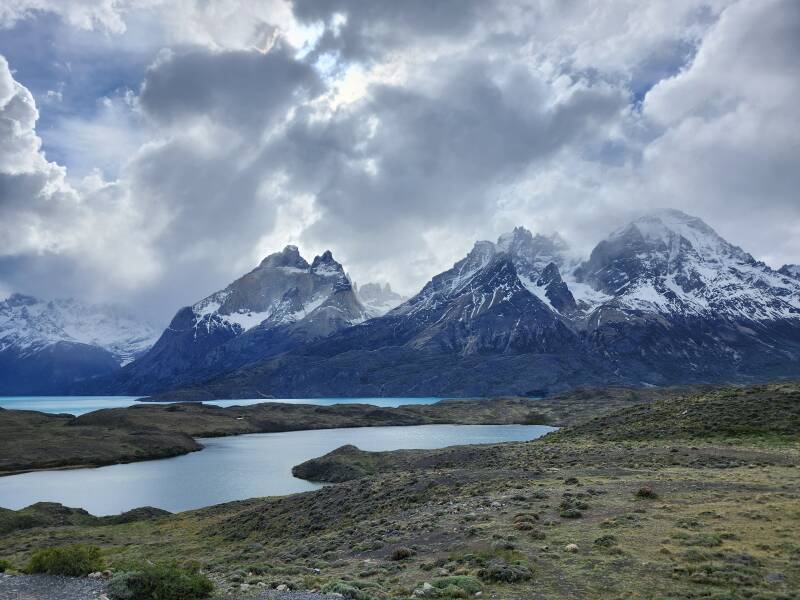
500,571
606,541
5,565
646,493
459,586
401,553
74,561
348,590
160,582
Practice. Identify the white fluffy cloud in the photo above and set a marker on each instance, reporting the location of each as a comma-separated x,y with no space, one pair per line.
396,134
94,225
85,14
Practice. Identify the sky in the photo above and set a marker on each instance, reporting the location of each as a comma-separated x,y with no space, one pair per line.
151,151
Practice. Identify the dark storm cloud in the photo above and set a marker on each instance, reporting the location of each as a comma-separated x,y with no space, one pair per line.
407,158
233,87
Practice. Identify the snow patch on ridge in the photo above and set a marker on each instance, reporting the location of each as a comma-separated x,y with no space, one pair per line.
28,325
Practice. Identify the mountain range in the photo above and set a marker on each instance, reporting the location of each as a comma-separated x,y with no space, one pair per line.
662,300
48,346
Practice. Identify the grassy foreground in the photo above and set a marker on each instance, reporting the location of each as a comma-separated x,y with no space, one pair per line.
692,496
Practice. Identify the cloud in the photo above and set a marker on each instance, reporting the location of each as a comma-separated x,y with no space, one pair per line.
411,159
44,218
393,133
236,88
368,30
85,14
31,188
729,129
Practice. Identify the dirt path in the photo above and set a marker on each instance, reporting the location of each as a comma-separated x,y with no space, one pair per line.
47,587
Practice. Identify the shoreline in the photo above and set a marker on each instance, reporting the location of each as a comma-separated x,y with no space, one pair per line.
152,430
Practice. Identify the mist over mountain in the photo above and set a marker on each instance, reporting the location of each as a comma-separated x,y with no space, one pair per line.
378,299
48,345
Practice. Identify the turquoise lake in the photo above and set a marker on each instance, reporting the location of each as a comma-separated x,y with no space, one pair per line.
78,405
232,468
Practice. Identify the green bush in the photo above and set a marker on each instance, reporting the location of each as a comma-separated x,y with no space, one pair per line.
606,541
646,493
74,561
350,590
456,586
160,582
5,565
401,553
500,571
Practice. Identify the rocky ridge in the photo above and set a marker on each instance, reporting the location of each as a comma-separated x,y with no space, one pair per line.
283,302
663,300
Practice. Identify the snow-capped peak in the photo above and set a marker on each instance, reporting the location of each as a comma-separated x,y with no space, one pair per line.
326,266
790,271
289,257
676,231
664,262
378,299
283,289
29,324
670,262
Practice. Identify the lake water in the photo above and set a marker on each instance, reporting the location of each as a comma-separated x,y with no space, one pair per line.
78,405
232,468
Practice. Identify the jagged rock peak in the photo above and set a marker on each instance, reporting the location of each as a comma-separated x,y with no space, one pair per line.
673,229
521,239
288,257
327,265
374,289
18,299
518,235
379,299
325,258
790,271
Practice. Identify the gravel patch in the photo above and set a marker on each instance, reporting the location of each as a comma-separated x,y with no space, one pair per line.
275,595
49,587
52,587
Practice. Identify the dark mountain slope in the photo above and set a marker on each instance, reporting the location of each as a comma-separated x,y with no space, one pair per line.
282,303
664,300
